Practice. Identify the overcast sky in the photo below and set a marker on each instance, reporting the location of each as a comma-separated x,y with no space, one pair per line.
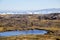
28,4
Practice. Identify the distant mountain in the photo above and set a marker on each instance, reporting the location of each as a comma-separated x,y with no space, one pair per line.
53,10
44,11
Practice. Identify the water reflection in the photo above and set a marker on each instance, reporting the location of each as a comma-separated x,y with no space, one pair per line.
14,33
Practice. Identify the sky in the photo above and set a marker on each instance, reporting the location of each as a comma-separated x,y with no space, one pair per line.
28,4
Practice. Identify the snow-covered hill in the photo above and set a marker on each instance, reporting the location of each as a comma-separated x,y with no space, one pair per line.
43,11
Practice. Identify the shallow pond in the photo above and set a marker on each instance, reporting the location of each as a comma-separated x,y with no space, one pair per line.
14,33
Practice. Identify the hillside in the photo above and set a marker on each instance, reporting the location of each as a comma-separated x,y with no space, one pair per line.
49,22
29,20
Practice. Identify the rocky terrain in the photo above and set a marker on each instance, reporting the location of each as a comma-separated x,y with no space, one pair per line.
49,22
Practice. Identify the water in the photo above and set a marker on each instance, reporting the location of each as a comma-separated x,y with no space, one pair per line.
14,33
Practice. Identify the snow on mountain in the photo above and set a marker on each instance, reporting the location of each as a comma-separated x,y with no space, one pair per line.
43,11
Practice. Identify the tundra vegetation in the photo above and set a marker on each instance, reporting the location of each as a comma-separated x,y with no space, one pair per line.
49,22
